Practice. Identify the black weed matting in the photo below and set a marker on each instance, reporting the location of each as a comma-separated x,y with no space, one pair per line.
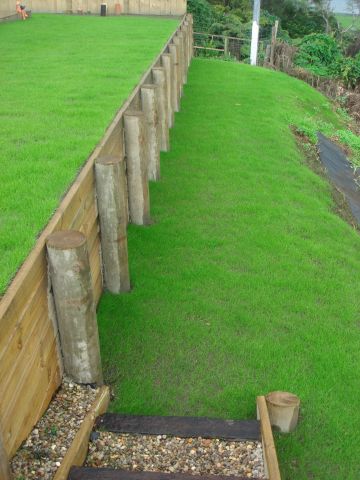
341,173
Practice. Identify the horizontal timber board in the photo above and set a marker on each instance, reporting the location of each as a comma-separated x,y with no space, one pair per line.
269,451
86,473
181,426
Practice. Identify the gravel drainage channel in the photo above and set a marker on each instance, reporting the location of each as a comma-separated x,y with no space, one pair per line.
163,453
53,445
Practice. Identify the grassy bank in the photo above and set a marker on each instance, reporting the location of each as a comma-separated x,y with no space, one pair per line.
62,78
248,281
348,20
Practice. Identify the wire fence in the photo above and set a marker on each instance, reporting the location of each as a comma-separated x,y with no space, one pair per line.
229,48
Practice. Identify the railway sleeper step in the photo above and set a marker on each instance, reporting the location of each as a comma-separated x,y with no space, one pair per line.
186,427
90,473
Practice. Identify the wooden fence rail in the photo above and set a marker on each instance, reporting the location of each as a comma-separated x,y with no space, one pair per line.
31,363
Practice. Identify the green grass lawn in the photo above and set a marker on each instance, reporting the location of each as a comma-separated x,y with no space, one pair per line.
62,78
248,281
347,20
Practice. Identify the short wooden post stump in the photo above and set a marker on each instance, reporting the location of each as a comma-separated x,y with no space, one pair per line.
150,107
167,63
137,167
159,77
283,410
179,42
70,275
113,213
174,52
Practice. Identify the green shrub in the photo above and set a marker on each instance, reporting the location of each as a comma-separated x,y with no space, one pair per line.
320,54
348,70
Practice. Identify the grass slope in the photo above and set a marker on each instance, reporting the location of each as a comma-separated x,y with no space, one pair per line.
247,282
62,78
347,20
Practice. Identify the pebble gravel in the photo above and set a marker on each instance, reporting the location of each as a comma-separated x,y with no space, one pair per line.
41,454
163,453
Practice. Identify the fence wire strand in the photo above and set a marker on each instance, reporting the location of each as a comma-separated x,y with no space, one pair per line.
230,48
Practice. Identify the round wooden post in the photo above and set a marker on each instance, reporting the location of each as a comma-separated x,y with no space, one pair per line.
187,44
111,194
174,52
70,275
137,167
5,473
191,38
184,32
283,410
159,77
167,63
150,107
180,58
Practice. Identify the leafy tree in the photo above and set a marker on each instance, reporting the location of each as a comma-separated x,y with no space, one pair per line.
302,17
204,15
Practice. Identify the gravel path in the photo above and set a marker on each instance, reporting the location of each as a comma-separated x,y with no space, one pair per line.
173,454
41,454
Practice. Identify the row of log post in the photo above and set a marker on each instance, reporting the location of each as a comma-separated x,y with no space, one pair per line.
122,193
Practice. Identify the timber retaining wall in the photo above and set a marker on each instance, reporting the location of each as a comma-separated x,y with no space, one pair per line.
31,364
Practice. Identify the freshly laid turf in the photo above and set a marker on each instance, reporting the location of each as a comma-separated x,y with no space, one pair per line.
62,78
248,281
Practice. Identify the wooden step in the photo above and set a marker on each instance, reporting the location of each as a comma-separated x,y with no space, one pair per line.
234,430
87,473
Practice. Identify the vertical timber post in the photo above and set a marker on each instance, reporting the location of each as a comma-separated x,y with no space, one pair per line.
159,78
185,50
274,31
150,107
174,52
5,473
137,167
74,303
111,194
179,67
180,42
226,46
191,38
166,60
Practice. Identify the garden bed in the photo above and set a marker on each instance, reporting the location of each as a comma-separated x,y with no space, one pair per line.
56,437
163,453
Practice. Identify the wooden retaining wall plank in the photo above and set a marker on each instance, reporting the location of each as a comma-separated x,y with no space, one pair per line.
12,336
45,379
78,450
21,345
269,452
86,473
181,426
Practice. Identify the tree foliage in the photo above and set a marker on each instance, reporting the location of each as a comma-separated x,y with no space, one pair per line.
321,54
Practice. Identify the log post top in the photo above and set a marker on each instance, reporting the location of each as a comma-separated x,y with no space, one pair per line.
283,399
65,240
108,160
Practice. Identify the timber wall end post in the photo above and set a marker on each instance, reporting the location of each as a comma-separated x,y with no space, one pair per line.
74,303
